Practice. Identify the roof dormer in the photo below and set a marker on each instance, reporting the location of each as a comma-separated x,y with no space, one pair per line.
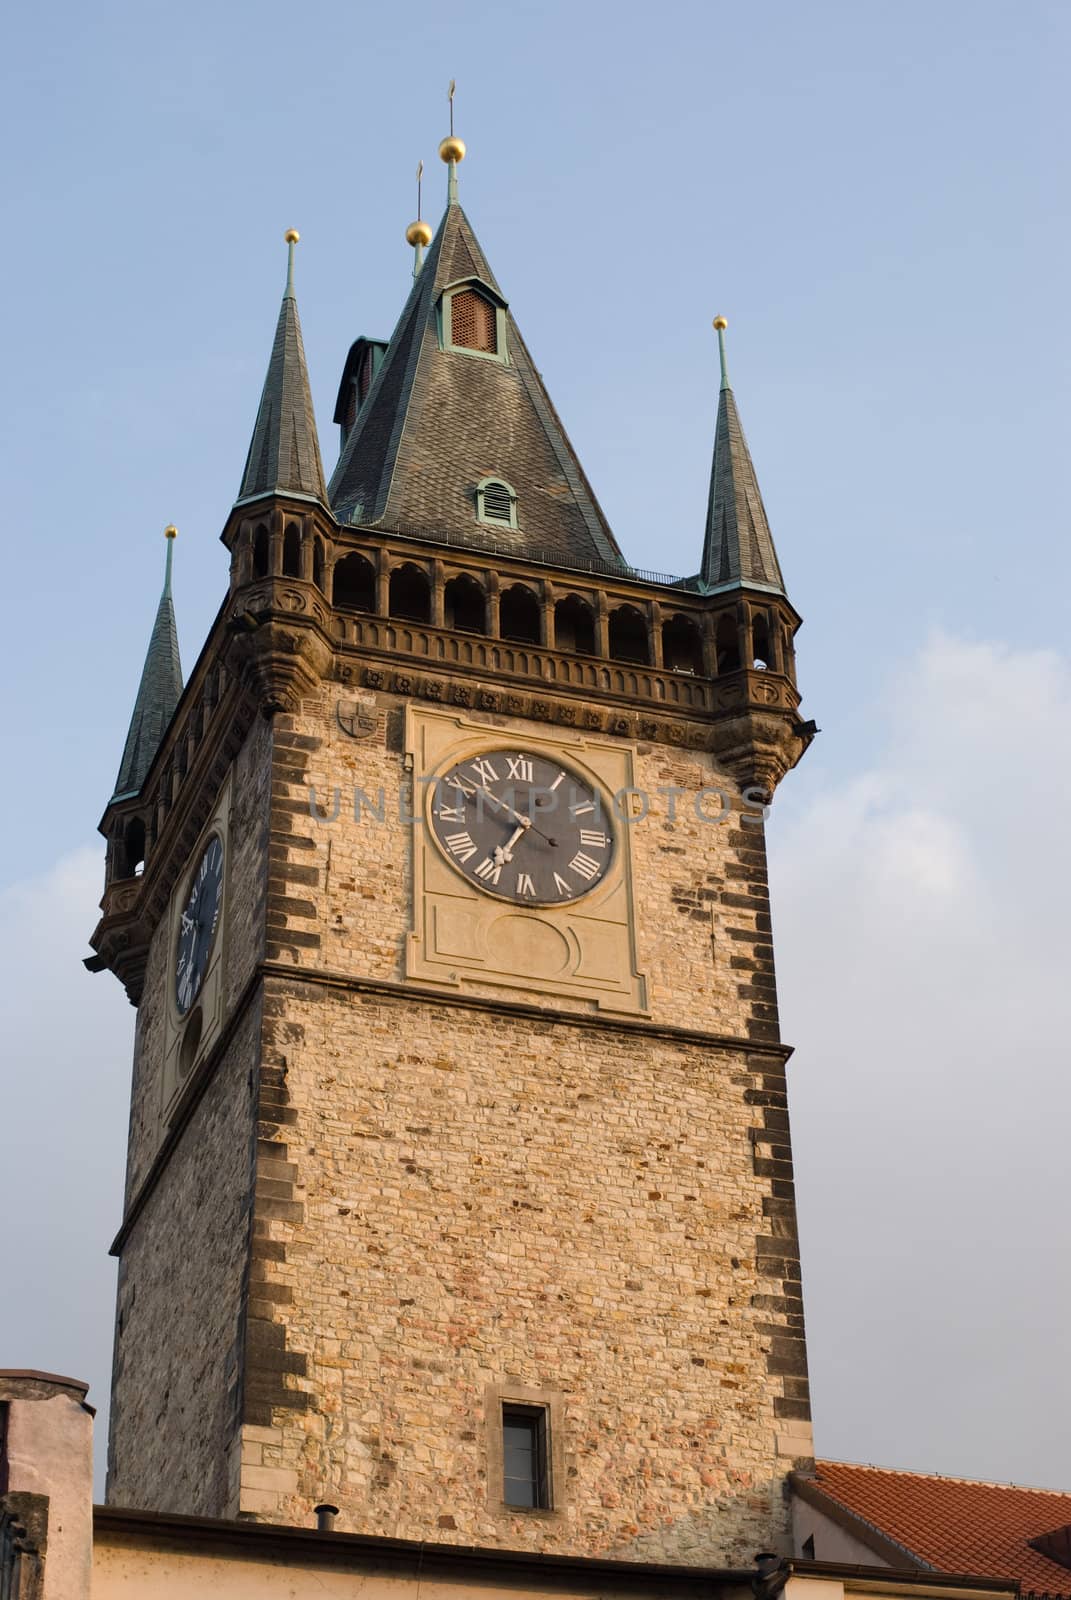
472,320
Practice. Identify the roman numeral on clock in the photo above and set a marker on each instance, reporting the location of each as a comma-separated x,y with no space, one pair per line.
484,770
584,809
525,885
584,865
520,767
490,871
561,885
599,840
460,845
450,814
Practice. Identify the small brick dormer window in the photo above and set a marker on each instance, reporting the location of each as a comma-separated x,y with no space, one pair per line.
496,503
473,321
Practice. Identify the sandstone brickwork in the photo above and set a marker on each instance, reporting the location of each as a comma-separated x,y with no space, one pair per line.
394,1203
185,1240
180,1301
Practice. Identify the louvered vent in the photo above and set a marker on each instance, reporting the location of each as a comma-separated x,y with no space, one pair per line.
473,322
497,503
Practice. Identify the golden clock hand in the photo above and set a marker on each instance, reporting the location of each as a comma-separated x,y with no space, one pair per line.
522,822
504,852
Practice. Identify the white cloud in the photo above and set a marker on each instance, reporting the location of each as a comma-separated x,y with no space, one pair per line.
68,1039
923,958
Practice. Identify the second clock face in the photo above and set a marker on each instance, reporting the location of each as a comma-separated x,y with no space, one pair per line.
197,925
522,826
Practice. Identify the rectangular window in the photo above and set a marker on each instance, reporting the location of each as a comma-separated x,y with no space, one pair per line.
524,1456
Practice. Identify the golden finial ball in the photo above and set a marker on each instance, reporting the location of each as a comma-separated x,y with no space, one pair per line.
452,149
418,233
720,323
171,532
291,236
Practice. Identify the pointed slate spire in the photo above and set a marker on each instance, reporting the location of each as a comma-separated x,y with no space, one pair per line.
444,417
437,420
158,691
285,452
738,550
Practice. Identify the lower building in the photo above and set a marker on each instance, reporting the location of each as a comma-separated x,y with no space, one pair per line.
846,1512
55,1545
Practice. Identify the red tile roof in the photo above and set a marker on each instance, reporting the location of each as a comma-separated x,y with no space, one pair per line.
956,1525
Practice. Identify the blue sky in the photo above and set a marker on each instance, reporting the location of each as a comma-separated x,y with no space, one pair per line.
875,197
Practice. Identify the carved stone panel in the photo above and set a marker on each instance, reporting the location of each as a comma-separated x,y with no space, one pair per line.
462,937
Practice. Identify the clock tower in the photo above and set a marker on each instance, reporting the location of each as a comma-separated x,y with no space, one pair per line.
459,1192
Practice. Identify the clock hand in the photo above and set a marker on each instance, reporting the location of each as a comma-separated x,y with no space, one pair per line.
504,852
524,823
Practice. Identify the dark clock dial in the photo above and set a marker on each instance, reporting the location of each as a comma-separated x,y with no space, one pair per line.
522,826
197,925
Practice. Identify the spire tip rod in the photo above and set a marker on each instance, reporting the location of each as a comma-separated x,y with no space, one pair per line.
291,236
720,325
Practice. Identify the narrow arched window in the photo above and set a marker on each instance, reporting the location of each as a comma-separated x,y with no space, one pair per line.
133,848
760,642
496,503
628,635
292,552
574,625
682,648
354,586
473,322
464,607
410,593
260,552
518,615
727,644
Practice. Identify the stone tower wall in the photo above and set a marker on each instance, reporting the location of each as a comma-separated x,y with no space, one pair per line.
185,1241
389,1207
475,1195
179,1309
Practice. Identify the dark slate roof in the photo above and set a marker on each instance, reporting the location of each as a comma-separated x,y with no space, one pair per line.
285,451
738,549
435,422
158,695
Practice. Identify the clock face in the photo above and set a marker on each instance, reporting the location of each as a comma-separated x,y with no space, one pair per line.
197,927
522,826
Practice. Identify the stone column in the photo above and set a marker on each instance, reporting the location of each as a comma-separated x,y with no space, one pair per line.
494,590
710,645
275,542
654,632
747,642
602,625
308,534
438,585
243,555
382,584
546,614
